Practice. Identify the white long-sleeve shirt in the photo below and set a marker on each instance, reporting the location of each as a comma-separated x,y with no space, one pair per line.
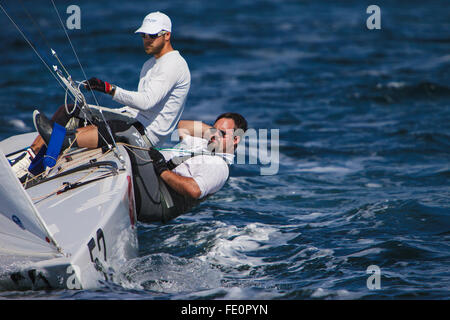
162,91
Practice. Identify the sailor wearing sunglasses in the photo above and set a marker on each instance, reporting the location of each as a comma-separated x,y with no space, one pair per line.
188,178
163,85
154,109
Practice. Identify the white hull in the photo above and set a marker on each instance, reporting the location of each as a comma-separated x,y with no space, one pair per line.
93,224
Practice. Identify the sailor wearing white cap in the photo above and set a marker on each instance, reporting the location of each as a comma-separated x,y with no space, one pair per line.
163,85
154,109
154,23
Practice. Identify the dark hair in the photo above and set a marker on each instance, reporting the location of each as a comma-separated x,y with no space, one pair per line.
239,120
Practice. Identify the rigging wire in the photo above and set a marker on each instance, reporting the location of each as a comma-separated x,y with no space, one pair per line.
93,94
60,82
36,25
44,38
73,48
33,47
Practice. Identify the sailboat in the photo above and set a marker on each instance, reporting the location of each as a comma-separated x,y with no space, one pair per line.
73,224
73,227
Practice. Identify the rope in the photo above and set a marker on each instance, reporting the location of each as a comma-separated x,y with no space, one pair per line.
81,160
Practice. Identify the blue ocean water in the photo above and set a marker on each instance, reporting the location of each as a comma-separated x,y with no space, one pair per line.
364,139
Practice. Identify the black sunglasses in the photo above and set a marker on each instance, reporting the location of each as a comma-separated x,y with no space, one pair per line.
153,36
222,132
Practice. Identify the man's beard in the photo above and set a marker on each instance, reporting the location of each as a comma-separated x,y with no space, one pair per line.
155,50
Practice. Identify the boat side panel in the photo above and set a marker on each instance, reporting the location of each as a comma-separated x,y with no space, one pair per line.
93,225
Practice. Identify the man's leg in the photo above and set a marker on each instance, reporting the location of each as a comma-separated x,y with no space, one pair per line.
84,137
60,117
87,137
92,136
37,144
22,162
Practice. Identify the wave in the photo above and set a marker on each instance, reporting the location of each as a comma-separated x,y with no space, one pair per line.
401,92
165,273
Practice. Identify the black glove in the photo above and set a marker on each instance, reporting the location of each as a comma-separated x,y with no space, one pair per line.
159,163
99,85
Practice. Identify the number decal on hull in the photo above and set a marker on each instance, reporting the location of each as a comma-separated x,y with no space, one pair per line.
97,252
101,236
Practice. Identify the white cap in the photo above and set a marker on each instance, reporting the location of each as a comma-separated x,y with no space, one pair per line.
154,23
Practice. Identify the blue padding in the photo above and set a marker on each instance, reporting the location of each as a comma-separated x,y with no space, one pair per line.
54,145
47,156
37,165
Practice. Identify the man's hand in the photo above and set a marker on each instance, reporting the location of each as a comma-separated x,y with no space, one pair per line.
159,163
99,85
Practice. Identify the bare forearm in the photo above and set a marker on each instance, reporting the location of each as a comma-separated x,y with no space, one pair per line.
182,185
192,128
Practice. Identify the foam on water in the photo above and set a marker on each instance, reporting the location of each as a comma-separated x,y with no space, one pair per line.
363,144
164,273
